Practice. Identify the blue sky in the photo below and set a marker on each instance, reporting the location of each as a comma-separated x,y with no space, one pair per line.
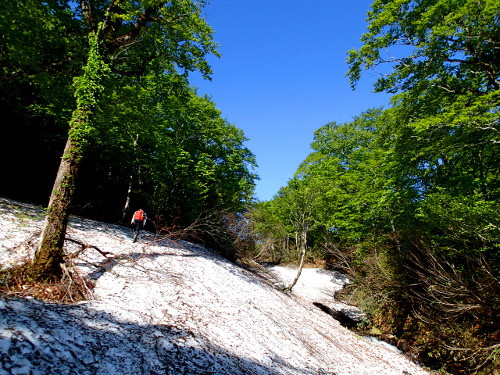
282,76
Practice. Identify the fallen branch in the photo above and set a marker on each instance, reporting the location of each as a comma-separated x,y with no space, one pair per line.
84,246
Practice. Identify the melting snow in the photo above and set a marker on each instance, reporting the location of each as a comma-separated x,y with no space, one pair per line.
164,307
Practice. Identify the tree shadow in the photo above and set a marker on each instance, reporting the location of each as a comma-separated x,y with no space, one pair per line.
107,264
149,239
47,338
159,246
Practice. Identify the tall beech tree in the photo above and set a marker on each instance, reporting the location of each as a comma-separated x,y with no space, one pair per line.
124,37
445,116
49,254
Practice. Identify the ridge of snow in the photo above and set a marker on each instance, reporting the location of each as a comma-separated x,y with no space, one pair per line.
164,307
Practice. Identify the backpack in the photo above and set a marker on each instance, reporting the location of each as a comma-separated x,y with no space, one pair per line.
139,215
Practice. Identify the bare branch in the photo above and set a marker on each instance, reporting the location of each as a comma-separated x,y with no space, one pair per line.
84,246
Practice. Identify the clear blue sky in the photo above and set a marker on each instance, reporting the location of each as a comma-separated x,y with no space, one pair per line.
282,76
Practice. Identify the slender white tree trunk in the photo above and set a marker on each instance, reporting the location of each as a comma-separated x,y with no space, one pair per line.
126,207
303,241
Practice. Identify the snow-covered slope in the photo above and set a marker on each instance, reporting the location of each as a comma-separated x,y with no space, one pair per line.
171,308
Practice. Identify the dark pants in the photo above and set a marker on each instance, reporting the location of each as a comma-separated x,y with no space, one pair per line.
137,225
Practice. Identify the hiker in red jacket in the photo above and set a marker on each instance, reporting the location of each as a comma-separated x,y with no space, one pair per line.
138,221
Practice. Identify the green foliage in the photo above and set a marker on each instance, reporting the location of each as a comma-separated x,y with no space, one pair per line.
407,199
204,165
88,87
127,67
41,51
445,43
181,156
461,225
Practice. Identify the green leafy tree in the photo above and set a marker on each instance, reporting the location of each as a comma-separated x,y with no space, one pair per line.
446,44
166,149
441,57
123,38
291,214
350,163
299,209
446,115
202,164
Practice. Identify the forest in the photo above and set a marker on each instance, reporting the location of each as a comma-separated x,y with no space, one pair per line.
106,85
405,199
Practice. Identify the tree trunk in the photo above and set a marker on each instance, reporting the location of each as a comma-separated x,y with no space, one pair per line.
49,254
46,264
301,265
297,244
126,207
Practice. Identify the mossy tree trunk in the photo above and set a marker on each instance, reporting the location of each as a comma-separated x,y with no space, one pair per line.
48,257
180,37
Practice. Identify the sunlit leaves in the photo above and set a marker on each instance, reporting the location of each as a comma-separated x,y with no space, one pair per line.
448,41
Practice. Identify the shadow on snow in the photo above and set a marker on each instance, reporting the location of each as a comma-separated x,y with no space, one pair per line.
45,338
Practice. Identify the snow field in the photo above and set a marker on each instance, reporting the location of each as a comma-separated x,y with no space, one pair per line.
176,308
